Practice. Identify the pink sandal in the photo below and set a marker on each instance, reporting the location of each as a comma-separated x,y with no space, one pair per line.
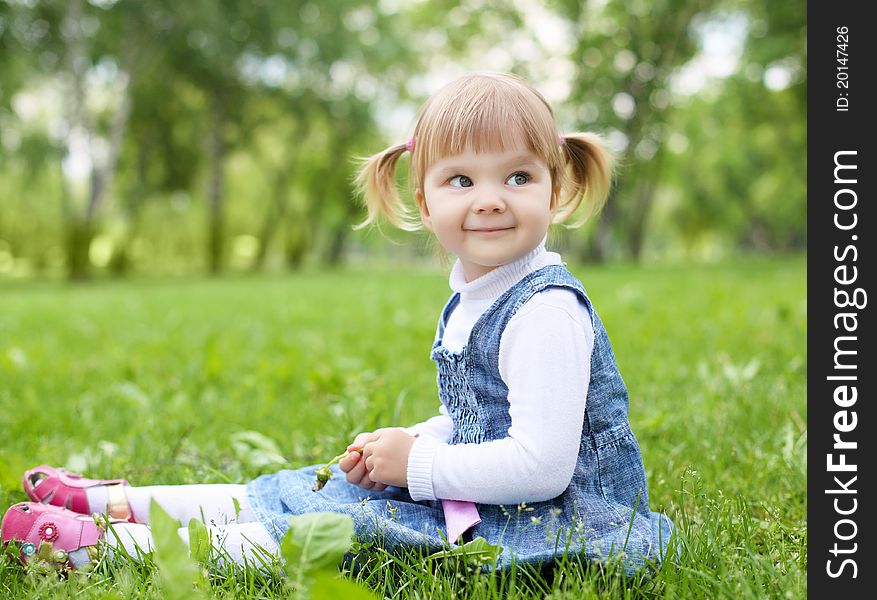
51,533
58,487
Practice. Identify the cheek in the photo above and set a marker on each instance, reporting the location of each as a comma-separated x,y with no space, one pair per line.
540,210
445,229
442,212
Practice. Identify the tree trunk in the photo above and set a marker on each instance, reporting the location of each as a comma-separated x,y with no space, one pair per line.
298,237
215,248
625,218
120,264
78,227
273,216
305,226
341,231
79,236
336,247
641,208
102,176
276,214
81,228
598,247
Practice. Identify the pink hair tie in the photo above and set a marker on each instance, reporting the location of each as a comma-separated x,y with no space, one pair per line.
560,139
409,145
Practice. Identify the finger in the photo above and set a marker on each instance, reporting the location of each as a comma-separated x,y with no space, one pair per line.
370,463
348,462
356,473
377,480
359,441
366,482
379,487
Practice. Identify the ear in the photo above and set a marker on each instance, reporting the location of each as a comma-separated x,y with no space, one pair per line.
424,209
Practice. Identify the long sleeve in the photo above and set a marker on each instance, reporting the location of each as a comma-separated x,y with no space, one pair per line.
545,363
438,427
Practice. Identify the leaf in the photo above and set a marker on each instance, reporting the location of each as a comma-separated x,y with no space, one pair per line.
316,541
332,586
199,540
177,570
476,552
257,450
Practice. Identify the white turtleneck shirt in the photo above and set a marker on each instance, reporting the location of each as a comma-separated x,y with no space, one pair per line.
544,360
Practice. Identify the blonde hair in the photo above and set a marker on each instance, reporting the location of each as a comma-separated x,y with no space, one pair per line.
488,112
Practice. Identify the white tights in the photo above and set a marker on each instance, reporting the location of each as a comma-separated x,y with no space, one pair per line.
239,535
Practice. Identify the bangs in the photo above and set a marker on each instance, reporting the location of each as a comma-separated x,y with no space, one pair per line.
484,113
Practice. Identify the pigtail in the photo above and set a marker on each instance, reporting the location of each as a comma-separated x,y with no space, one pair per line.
590,166
376,184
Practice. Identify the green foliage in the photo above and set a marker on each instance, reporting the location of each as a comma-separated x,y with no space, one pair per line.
257,450
234,124
316,541
199,541
312,549
474,552
179,574
330,586
149,380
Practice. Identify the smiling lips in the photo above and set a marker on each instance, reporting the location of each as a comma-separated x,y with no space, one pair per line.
487,229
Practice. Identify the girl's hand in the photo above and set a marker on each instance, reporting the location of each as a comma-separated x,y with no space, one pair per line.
386,456
355,468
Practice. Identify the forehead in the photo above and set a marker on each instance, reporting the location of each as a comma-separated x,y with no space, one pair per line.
500,143
491,158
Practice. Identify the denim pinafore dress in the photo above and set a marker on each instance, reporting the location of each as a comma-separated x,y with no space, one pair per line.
604,512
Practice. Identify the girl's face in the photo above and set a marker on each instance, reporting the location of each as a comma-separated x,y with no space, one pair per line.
487,208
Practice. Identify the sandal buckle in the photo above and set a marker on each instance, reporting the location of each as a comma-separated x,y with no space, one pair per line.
117,502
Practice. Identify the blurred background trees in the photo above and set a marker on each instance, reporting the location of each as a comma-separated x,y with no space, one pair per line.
153,136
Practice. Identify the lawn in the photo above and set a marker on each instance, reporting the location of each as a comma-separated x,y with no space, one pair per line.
151,380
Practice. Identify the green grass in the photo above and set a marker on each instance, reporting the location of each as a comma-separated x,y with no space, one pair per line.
149,380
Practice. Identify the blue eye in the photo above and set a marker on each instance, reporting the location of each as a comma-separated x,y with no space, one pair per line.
460,181
519,178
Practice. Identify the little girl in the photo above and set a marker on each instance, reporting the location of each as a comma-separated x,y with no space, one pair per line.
531,450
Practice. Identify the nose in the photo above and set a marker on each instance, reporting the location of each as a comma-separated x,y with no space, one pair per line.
487,200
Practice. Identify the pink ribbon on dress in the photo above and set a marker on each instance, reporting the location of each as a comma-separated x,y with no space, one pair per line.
459,518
